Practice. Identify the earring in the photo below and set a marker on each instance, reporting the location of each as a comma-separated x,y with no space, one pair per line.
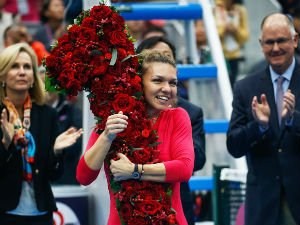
3,84
31,86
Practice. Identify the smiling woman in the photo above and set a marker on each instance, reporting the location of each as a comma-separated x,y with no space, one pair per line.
159,79
175,152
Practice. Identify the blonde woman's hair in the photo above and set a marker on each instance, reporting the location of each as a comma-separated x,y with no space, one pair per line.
148,56
8,57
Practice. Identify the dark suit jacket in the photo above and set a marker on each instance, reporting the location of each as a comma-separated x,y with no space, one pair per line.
272,157
196,116
69,116
44,128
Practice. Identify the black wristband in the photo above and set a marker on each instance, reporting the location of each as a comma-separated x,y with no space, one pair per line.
136,174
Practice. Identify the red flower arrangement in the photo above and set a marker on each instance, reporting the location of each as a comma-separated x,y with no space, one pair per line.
97,55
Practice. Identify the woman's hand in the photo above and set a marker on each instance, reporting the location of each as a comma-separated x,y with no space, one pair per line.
7,128
115,124
121,169
67,138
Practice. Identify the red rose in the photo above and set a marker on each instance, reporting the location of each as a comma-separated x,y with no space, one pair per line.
89,22
87,34
117,38
124,103
100,12
149,206
100,69
117,21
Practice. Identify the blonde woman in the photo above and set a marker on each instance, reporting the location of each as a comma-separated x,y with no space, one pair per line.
30,148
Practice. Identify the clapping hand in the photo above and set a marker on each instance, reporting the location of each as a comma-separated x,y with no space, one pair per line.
121,169
67,138
7,128
288,105
261,112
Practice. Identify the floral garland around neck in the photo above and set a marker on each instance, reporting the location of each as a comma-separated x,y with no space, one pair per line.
97,55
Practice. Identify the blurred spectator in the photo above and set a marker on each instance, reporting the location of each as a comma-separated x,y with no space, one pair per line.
6,20
136,29
158,43
289,7
201,41
69,115
154,31
18,33
52,16
28,9
232,25
73,9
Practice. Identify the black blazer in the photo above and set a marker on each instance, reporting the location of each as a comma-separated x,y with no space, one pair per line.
272,157
44,128
196,117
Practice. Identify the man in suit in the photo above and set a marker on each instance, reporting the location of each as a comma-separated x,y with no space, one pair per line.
196,116
264,127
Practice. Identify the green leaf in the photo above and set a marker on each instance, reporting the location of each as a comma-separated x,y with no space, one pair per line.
96,52
138,95
155,133
134,149
154,144
169,192
128,57
114,56
115,186
132,39
99,119
103,103
91,96
50,85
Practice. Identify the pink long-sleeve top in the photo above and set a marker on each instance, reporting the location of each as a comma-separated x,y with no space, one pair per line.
176,153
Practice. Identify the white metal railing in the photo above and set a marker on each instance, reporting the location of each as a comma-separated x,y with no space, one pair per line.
217,55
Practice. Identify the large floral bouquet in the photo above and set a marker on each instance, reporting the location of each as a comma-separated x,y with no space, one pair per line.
97,55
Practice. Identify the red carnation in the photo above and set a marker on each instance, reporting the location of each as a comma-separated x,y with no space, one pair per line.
145,133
